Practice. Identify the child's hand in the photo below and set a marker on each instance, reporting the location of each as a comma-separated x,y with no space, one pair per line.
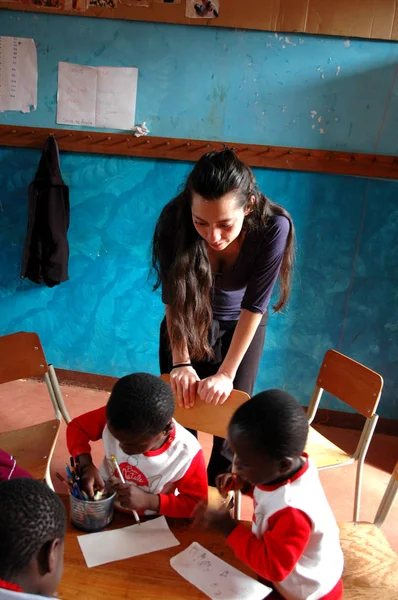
133,498
228,482
220,520
91,480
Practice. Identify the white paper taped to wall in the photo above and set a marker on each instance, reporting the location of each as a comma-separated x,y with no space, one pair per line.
216,578
97,96
18,74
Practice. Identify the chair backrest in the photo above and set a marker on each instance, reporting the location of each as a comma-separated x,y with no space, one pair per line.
351,382
21,356
207,417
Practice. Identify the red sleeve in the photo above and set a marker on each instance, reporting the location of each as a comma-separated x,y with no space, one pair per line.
83,429
192,488
276,554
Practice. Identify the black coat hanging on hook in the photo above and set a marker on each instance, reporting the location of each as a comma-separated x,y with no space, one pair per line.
46,250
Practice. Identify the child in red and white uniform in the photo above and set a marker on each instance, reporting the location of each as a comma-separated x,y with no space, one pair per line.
294,542
161,462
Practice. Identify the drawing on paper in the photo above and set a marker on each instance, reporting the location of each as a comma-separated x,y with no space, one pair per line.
214,577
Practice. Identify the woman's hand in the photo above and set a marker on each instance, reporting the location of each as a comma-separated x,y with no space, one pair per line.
215,389
184,383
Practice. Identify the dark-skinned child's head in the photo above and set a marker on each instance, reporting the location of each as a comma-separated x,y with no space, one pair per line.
32,530
268,434
139,412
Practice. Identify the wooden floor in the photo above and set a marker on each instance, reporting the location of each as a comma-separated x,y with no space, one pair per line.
24,403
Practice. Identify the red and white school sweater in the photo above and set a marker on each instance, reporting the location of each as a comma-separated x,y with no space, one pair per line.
176,471
294,543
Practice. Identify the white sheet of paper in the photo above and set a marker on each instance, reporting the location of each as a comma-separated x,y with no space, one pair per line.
216,578
77,88
18,74
117,544
116,97
96,96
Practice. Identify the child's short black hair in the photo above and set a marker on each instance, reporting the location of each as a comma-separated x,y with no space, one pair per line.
30,515
274,422
140,403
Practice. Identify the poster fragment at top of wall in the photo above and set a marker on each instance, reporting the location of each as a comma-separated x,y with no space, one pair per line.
103,3
202,9
80,5
145,3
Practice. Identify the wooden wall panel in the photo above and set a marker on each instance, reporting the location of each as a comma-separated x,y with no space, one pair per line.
375,19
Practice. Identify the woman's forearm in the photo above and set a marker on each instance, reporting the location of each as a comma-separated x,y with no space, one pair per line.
244,332
179,355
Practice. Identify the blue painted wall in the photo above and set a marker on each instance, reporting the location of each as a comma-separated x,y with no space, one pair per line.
217,84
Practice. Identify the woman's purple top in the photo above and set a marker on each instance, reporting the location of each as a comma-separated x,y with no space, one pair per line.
250,282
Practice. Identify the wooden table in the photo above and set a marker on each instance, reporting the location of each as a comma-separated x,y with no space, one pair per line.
146,577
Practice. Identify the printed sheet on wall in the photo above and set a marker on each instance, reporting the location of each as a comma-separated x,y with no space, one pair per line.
103,97
18,74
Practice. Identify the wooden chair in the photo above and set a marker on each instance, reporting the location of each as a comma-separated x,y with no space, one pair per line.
22,356
214,420
371,565
360,388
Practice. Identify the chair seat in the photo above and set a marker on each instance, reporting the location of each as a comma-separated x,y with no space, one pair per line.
32,446
371,565
323,452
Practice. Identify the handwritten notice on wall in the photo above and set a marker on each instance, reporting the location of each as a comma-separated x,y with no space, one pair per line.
18,74
96,96
216,578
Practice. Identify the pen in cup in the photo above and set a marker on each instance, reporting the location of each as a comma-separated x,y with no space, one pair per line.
116,465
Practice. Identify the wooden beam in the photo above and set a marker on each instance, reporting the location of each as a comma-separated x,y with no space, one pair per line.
270,157
377,20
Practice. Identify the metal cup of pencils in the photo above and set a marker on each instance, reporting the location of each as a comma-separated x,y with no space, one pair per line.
91,515
88,515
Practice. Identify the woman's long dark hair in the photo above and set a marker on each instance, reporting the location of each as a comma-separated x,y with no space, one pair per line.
179,253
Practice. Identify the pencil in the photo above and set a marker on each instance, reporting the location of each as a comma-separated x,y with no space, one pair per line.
63,481
113,458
